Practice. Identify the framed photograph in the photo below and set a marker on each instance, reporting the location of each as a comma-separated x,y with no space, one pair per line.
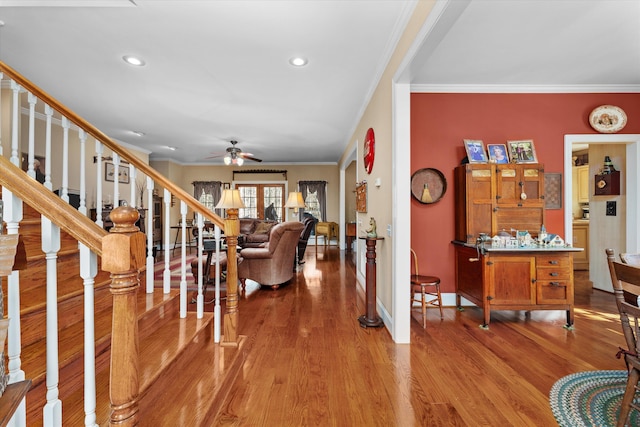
110,173
226,186
475,151
498,153
522,151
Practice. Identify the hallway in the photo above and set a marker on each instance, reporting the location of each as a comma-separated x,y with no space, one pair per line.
308,361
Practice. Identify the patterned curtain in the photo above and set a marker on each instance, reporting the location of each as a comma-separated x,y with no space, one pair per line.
314,194
208,193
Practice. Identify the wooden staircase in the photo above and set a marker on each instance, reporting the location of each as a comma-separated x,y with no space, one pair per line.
183,376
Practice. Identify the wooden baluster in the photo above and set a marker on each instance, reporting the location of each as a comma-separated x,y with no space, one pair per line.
231,230
123,256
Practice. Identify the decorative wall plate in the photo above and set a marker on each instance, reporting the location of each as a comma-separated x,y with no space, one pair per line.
608,119
428,185
369,150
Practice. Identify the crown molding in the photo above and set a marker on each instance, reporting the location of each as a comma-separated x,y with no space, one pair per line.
453,88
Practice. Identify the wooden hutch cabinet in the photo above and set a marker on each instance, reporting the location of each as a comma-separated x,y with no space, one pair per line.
490,198
529,278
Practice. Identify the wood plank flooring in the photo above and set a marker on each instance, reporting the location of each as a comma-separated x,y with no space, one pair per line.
309,363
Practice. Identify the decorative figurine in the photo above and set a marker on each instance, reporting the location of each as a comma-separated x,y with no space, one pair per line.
371,232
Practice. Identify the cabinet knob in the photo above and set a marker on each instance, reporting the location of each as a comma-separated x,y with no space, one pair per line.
553,262
555,284
553,274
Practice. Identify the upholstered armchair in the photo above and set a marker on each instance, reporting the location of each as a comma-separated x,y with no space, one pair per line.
272,265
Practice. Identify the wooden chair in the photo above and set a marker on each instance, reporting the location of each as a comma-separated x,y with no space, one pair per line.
428,287
626,278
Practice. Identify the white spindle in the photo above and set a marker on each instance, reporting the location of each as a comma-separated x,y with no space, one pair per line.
183,258
201,267
1,77
15,123
88,271
32,134
166,277
150,227
99,151
216,308
132,186
82,135
116,180
52,413
48,111
12,216
64,194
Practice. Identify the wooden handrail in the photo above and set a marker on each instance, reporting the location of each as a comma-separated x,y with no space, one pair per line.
79,226
112,145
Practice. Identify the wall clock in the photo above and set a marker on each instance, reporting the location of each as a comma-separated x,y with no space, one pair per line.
428,185
369,150
608,119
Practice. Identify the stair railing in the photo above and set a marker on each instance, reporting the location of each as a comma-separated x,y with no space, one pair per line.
60,125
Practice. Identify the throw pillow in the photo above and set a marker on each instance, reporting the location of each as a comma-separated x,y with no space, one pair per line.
263,227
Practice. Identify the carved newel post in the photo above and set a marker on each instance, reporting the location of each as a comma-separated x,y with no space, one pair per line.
231,202
123,254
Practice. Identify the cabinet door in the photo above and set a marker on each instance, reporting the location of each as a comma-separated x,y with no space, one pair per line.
511,280
518,218
474,201
583,184
581,240
521,185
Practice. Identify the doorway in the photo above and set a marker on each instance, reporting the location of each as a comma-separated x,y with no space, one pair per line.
262,201
623,240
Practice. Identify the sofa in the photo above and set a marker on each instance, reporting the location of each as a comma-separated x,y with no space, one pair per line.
254,232
272,264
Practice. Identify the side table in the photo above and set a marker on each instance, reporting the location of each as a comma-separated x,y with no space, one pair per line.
371,318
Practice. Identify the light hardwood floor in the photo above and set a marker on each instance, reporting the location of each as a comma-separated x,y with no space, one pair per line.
309,363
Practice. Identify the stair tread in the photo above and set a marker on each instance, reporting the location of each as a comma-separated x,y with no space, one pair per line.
71,339
157,353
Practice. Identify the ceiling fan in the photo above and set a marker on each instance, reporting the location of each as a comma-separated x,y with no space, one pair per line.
235,156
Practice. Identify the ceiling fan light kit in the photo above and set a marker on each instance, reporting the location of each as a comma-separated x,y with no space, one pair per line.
234,156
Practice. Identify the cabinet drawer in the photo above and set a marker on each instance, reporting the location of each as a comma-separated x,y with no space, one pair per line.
552,274
553,291
557,261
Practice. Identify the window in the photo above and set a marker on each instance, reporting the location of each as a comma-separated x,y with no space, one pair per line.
208,193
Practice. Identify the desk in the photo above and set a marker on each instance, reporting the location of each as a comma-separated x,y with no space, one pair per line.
188,240
328,230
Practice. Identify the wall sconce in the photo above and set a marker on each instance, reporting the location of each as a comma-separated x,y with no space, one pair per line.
295,201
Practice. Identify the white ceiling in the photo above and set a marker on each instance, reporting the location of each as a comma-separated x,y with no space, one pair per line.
218,70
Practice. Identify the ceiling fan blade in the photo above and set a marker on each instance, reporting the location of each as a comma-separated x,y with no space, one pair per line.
249,156
216,155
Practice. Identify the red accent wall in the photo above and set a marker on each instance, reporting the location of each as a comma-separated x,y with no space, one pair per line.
439,123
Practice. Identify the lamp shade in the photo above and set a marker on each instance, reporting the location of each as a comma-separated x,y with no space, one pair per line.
230,200
295,200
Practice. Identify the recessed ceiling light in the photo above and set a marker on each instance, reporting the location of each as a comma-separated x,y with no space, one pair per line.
133,60
298,61
137,133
